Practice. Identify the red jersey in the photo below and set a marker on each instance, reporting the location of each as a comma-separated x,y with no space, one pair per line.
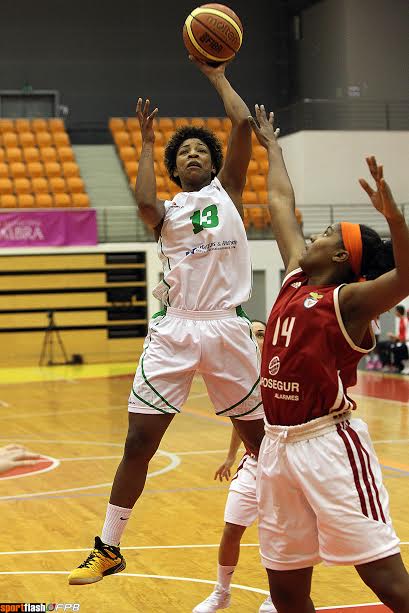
309,360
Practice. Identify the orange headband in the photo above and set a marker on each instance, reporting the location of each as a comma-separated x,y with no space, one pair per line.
351,236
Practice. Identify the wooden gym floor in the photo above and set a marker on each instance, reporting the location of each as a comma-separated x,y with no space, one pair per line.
78,415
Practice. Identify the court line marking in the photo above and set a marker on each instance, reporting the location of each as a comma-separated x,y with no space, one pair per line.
238,586
401,403
393,441
122,407
133,548
54,463
116,457
246,588
57,412
174,462
350,606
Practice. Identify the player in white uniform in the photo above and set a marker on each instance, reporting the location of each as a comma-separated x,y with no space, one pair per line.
202,327
240,513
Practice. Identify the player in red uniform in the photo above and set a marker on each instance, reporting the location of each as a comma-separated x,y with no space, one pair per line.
319,483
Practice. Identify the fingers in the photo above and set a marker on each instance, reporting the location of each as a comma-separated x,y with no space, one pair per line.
386,191
375,169
139,106
366,187
153,115
146,107
26,455
25,462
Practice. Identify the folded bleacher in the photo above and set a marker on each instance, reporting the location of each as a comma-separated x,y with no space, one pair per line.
37,166
128,140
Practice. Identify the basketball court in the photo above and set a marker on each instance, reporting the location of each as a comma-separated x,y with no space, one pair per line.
76,417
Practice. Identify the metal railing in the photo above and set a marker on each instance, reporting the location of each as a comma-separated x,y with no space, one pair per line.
119,224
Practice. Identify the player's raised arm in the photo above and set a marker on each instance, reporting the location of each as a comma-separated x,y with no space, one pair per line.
286,228
233,173
364,301
150,208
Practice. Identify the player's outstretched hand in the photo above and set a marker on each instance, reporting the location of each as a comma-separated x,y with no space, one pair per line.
207,69
13,459
263,127
381,197
146,120
12,447
224,472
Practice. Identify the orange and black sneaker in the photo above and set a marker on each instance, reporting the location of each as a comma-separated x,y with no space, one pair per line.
103,560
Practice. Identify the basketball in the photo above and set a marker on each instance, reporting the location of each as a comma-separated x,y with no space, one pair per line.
213,33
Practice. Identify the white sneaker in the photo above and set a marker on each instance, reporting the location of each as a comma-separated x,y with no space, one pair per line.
267,606
218,599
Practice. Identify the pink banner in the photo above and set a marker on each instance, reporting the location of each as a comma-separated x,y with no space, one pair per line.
39,228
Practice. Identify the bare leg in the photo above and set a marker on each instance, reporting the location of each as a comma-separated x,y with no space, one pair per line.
251,432
145,433
389,579
290,590
229,549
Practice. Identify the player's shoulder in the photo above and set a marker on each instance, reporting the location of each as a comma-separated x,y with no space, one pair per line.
295,278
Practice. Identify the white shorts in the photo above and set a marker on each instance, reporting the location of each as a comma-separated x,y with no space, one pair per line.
321,496
217,344
241,503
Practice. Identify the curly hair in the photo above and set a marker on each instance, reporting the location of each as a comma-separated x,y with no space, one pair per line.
377,254
182,134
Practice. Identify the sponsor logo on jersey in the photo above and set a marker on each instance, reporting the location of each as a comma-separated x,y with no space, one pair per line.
214,246
296,284
284,390
274,365
312,299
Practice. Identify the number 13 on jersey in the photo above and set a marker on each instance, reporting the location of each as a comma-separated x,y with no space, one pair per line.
208,218
285,329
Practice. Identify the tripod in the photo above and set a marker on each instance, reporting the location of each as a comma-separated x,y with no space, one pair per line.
48,343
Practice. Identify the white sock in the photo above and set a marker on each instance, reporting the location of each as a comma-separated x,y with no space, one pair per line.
115,523
225,575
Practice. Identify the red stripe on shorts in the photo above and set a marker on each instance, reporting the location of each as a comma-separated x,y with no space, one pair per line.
375,489
358,447
240,466
354,469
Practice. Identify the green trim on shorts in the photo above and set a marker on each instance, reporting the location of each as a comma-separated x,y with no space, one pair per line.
247,412
165,256
240,312
154,390
240,401
149,404
159,313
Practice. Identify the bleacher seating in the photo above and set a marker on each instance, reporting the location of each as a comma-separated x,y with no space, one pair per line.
128,140
37,165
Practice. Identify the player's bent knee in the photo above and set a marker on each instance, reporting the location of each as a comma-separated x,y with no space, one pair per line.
140,445
233,531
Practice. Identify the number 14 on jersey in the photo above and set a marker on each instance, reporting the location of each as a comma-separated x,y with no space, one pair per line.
284,329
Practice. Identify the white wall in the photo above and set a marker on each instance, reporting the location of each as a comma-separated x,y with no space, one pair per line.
324,166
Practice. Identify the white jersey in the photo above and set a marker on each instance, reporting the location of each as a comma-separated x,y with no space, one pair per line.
204,251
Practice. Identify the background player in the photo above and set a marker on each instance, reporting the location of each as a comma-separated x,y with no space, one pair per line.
319,482
207,275
240,513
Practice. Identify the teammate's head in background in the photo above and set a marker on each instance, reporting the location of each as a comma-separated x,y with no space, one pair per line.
193,157
345,252
259,329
